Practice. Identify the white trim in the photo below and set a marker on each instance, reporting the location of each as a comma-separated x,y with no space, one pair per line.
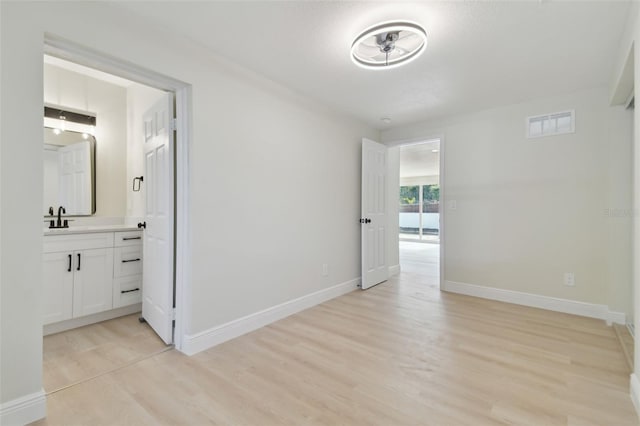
24,410
69,50
614,317
183,225
634,386
441,211
198,342
394,270
590,310
58,327
412,141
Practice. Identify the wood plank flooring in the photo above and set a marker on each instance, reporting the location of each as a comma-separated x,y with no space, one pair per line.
79,354
401,353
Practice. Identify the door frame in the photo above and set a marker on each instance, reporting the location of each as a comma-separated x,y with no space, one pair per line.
71,51
443,200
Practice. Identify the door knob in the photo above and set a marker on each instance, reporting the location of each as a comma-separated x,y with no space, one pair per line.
142,225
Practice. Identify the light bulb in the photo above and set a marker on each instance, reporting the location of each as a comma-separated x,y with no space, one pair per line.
56,131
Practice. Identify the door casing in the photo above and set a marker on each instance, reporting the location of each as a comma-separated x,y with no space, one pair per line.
71,51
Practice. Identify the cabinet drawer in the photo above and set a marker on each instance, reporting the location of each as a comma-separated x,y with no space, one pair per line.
127,261
71,242
127,291
129,238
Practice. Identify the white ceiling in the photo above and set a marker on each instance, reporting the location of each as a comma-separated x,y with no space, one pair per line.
479,54
420,160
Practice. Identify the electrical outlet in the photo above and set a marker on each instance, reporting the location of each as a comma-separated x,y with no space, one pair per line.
325,270
569,279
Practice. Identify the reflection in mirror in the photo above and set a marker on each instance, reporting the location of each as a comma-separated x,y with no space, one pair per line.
69,172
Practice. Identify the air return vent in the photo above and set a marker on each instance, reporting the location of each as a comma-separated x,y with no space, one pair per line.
557,123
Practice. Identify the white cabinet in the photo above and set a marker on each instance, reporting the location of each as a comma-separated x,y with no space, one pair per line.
85,274
92,281
58,287
127,269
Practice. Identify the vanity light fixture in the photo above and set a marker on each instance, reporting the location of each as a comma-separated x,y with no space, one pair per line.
388,45
61,120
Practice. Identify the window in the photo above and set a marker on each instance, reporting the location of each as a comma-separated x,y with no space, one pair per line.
557,123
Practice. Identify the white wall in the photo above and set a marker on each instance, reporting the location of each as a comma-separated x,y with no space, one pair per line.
139,100
419,180
76,91
529,210
257,147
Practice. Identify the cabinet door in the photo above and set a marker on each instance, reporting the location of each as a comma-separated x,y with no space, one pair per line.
93,281
57,287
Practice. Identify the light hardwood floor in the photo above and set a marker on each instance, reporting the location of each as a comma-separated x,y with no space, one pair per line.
401,353
79,354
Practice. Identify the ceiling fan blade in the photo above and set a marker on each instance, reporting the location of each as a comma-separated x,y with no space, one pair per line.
409,43
367,51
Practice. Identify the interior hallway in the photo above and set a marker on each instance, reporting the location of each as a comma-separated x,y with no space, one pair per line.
399,353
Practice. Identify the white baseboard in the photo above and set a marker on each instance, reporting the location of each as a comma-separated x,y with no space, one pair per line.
616,317
58,327
394,270
198,342
24,410
590,310
634,385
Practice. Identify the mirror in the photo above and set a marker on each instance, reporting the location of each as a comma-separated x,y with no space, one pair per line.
69,172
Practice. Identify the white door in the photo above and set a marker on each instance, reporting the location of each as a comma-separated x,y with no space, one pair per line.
373,219
157,272
75,178
57,288
92,281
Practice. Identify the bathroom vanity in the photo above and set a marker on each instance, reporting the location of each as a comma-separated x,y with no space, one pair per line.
91,274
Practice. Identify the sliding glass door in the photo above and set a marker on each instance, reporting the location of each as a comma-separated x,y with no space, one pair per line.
419,213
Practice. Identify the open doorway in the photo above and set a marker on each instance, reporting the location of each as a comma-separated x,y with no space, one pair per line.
102,263
419,209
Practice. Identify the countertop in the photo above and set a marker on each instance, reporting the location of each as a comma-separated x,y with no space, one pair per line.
83,229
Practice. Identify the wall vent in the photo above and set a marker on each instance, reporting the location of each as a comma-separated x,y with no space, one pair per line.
557,123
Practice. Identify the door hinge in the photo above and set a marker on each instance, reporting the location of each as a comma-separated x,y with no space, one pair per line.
173,314
174,124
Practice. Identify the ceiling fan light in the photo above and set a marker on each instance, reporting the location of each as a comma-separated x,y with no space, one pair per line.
388,45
